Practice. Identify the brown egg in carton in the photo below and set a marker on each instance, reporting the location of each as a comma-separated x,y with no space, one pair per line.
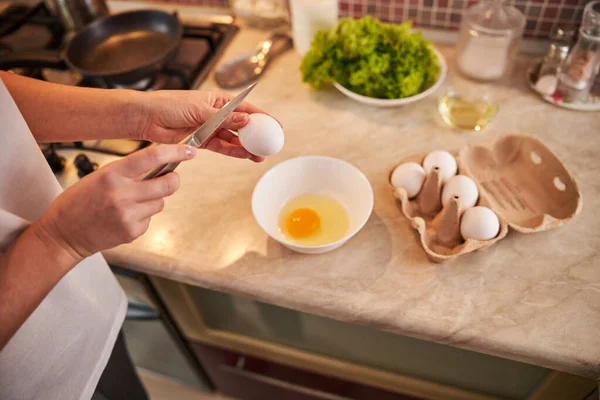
518,177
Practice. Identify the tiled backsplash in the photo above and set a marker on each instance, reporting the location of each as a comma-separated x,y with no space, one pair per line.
542,15
205,3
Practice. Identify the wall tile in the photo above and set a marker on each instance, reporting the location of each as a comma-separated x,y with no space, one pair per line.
531,25
546,26
533,11
566,14
542,15
550,12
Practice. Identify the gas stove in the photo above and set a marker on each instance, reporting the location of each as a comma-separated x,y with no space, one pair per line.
72,161
25,27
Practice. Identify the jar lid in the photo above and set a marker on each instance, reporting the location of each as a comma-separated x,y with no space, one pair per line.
493,17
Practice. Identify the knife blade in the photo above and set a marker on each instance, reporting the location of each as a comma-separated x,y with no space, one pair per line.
203,134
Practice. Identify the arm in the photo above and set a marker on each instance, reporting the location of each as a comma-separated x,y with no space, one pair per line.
30,268
70,230
50,247
58,113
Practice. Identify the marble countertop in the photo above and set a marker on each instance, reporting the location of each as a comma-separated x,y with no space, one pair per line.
533,298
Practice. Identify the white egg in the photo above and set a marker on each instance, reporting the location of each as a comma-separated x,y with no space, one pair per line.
262,136
444,161
409,176
464,188
479,223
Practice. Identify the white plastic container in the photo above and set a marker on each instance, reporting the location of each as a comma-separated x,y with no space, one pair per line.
310,16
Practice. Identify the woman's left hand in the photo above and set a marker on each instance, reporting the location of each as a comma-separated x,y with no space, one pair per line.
170,115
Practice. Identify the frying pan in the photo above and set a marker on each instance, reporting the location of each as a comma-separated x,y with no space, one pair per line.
118,50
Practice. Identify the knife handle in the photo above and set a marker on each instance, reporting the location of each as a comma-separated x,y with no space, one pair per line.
160,171
166,168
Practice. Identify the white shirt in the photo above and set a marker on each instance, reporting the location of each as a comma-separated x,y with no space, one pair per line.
61,350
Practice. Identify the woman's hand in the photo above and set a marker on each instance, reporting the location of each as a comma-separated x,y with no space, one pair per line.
59,113
169,116
113,205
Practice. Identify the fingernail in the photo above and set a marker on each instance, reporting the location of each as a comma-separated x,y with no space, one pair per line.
237,118
190,152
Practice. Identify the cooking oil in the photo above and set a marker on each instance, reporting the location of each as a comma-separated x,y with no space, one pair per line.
465,113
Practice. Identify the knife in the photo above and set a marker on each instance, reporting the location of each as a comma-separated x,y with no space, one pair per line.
204,133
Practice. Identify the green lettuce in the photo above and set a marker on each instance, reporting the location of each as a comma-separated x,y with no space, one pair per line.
371,58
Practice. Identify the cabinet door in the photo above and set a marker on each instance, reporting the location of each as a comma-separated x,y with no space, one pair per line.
475,373
250,378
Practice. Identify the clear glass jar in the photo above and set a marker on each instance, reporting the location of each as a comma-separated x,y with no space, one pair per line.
489,40
577,73
558,50
263,14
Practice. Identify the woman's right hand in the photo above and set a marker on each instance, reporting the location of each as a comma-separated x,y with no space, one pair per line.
113,205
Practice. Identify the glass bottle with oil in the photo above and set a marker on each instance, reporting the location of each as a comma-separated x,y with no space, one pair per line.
466,112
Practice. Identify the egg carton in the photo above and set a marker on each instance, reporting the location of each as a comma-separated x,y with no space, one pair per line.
517,176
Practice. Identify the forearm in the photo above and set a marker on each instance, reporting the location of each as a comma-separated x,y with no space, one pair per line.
29,269
59,113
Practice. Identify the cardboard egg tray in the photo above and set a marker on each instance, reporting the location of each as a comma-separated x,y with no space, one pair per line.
518,177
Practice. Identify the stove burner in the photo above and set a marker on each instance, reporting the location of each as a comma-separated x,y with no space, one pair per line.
142,84
23,27
171,77
23,71
56,162
64,77
84,165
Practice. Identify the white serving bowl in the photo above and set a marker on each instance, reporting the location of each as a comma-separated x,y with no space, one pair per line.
312,174
406,100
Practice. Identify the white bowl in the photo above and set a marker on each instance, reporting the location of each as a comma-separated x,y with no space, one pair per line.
312,174
405,100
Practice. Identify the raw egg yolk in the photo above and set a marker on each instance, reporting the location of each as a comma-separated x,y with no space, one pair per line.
302,222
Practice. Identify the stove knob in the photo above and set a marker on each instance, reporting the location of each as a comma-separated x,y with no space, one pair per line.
84,165
56,162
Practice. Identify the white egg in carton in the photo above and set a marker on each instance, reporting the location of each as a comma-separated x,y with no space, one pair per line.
466,201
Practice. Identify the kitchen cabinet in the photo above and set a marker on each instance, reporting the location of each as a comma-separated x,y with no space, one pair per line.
248,378
226,329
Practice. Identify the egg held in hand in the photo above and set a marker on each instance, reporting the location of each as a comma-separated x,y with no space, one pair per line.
479,223
262,136
409,176
445,162
462,187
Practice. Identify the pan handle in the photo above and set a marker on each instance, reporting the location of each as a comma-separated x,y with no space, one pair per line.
33,59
